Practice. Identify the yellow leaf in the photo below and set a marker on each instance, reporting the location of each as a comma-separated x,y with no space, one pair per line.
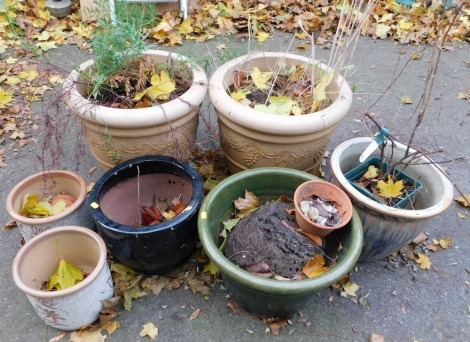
46,46
320,90
350,288
406,99
390,189
284,105
424,261
260,79
28,75
83,30
66,275
56,79
31,207
185,27
161,88
445,242
12,80
464,200
314,266
462,216
262,36
382,30
11,60
168,215
149,330
372,172
5,97
239,95
87,336
404,25
211,268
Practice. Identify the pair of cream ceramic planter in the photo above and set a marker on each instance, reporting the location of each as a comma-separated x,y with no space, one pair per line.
249,139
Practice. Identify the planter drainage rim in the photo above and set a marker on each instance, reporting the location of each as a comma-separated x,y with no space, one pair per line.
287,287
382,208
76,288
187,213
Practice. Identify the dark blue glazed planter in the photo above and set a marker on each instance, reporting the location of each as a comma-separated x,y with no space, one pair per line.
154,249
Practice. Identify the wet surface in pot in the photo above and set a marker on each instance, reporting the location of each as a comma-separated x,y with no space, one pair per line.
122,205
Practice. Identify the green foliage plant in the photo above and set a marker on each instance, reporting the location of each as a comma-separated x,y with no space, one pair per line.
117,40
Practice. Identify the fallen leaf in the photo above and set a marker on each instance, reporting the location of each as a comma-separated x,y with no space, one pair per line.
87,336
423,261
406,99
162,87
445,242
195,314
249,203
390,189
275,324
464,200
211,268
371,173
462,216
5,97
66,275
314,266
350,288
10,225
377,338
149,330
233,306
58,337
260,79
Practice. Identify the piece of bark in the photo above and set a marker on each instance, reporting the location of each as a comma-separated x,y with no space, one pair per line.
265,236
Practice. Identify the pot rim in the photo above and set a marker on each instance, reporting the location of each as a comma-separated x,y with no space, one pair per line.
346,217
51,233
281,287
188,212
48,219
421,214
298,124
118,117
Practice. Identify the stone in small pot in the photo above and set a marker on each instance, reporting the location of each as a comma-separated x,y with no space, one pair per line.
38,259
116,202
46,184
321,207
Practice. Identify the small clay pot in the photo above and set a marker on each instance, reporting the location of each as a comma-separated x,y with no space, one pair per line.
326,191
114,204
38,259
43,184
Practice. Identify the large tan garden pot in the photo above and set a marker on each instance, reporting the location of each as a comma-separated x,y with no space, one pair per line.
253,139
116,135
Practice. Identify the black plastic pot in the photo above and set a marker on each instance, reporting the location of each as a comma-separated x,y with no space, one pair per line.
154,249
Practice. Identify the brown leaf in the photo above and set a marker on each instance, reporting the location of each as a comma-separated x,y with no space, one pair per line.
156,285
10,225
377,338
250,202
465,201
233,306
198,285
275,324
195,314
58,337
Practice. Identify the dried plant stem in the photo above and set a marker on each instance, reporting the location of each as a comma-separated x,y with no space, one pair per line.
139,214
312,55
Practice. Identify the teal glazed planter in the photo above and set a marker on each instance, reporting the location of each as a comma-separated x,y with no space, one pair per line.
262,296
388,229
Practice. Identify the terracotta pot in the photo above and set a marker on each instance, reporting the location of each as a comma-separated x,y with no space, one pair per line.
44,184
167,129
253,139
263,296
114,206
326,191
39,258
388,229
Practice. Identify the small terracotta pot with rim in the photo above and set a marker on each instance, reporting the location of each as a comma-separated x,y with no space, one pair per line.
43,184
326,191
38,259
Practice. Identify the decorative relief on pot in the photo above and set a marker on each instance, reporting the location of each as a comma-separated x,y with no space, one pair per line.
30,231
252,152
165,147
48,311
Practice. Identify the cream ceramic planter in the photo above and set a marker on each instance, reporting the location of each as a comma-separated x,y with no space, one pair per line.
252,139
44,184
387,229
38,259
167,129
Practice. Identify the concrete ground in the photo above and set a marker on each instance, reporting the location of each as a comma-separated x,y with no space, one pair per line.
406,303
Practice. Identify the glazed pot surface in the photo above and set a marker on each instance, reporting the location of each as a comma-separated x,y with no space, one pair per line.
153,249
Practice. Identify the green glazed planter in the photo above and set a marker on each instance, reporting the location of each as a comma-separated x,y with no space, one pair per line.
261,296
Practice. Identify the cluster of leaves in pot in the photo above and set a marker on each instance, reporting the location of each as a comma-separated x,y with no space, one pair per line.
314,266
161,211
285,91
35,206
385,187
